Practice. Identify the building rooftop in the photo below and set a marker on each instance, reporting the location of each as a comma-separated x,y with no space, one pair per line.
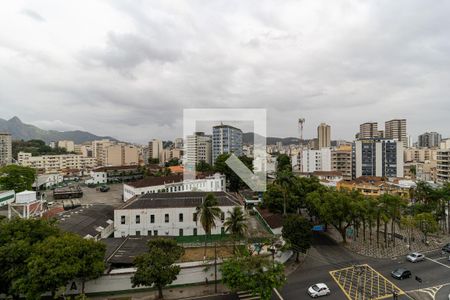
112,168
178,200
86,220
153,181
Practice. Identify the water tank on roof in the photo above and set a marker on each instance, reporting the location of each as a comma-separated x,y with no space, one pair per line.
25,197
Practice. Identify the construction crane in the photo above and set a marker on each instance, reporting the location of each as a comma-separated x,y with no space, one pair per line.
301,121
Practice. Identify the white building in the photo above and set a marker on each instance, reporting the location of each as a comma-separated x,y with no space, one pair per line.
198,148
315,160
48,180
54,163
168,214
377,157
97,177
172,184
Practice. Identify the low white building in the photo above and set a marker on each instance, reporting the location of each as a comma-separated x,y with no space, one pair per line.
173,183
97,177
48,180
25,206
168,214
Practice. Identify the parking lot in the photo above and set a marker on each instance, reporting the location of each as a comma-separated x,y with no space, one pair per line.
94,196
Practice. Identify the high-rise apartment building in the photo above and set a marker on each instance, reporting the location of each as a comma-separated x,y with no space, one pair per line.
68,145
155,148
226,139
396,129
443,166
377,157
341,161
122,155
178,143
5,149
429,140
368,130
315,160
324,136
198,148
98,148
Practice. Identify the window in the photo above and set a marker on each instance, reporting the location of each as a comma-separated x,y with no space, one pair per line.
166,218
123,233
152,218
122,220
222,216
149,233
195,231
194,217
155,232
180,233
138,233
138,219
180,218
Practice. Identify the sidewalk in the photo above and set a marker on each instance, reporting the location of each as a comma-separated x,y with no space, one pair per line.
185,292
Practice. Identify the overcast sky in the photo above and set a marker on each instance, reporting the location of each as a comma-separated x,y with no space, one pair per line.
129,68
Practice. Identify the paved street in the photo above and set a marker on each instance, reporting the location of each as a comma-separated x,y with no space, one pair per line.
327,260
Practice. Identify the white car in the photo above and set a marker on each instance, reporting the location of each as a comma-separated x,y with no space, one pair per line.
318,290
415,257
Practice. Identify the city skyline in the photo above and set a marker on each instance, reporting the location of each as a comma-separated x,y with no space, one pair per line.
142,64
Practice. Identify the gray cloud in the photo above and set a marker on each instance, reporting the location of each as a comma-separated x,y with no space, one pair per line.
32,14
131,73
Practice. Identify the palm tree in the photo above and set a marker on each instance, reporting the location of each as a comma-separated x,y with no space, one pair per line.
207,212
236,224
285,179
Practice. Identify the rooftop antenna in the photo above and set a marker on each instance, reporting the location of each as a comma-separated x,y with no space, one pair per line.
301,121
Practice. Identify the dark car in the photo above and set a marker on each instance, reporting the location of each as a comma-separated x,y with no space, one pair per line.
104,188
401,273
446,248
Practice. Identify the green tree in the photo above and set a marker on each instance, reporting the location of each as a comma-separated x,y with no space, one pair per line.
172,162
273,198
236,224
17,240
153,161
53,263
283,163
203,166
207,212
426,223
234,181
285,179
156,267
253,273
90,264
297,232
16,178
336,208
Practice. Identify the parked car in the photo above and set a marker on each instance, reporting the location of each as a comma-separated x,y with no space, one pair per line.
104,188
401,273
446,248
318,290
415,257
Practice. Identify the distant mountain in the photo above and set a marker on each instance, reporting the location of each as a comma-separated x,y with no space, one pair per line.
22,131
247,138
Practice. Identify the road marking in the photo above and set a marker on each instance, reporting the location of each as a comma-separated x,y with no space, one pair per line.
364,283
277,293
437,262
339,284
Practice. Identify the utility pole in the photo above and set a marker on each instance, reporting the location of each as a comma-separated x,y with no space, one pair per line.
215,267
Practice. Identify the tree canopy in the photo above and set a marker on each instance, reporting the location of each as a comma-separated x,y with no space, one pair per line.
297,232
156,267
17,178
253,273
